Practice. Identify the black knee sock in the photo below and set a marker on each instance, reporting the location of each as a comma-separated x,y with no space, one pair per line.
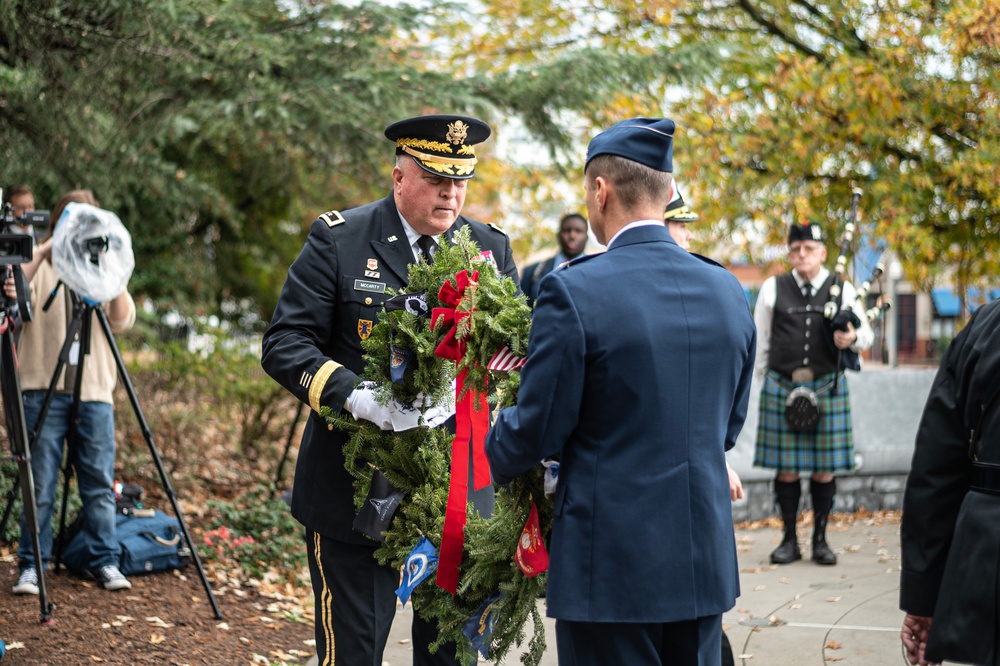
788,494
822,496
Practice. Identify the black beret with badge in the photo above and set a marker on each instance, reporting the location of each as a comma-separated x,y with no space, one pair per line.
678,211
648,141
805,232
441,144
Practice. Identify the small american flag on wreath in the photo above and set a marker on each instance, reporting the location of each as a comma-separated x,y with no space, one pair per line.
505,360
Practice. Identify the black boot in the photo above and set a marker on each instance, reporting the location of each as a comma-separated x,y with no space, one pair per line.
788,494
788,551
822,498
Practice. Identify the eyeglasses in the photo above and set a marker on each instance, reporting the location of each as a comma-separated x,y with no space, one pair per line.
804,249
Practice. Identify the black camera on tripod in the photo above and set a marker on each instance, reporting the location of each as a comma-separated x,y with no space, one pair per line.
16,248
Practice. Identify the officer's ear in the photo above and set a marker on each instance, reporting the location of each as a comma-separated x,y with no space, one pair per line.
397,179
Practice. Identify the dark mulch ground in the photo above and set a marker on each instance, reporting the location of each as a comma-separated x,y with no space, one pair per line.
165,618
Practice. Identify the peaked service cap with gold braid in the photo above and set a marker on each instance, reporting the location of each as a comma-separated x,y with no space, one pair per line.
441,144
678,211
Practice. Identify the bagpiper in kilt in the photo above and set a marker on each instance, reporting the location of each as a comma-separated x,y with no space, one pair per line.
804,424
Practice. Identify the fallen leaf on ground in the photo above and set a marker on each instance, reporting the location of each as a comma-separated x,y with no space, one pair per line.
156,639
832,645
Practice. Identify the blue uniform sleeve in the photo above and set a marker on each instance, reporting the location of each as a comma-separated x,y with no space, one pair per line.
551,389
738,415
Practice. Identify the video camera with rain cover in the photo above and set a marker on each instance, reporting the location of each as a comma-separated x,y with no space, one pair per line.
16,249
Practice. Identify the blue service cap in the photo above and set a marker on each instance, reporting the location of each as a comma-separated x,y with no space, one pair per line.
648,141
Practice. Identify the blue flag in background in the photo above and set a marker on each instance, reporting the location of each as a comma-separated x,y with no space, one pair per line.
420,563
479,628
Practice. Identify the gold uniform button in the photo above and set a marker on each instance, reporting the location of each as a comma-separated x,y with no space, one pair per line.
368,301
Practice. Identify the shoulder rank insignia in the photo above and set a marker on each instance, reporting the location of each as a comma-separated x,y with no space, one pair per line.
332,218
707,260
576,260
495,227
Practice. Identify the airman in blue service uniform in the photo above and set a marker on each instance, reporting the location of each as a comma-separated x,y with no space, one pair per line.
328,305
638,377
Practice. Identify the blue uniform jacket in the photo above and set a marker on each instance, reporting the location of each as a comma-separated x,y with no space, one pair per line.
638,376
330,301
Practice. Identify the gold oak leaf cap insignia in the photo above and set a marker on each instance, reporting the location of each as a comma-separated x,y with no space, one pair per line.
678,211
441,144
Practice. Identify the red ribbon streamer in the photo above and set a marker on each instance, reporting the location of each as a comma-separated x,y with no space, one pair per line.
471,423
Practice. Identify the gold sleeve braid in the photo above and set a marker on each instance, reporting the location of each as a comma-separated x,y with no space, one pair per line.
319,383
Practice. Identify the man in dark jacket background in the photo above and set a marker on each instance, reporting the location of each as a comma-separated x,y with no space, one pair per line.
572,239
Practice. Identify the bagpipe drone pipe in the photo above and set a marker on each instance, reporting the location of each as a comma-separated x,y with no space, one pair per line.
838,314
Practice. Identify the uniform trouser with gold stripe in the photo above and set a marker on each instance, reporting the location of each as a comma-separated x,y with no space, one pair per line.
355,605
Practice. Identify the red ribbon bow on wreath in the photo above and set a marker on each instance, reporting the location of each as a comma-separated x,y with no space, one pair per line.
471,423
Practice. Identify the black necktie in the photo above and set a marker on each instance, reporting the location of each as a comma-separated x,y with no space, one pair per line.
427,245
807,289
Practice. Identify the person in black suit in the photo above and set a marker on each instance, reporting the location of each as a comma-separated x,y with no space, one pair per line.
328,305
572,242
950,580
638,376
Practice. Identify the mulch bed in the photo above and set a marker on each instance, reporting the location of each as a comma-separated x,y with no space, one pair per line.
166,619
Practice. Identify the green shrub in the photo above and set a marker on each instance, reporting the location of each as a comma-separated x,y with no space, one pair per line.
256,532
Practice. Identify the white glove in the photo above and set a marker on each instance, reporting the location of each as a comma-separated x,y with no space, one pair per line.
405,417
361,403
551,478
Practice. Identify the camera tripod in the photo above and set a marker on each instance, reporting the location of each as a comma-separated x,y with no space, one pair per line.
17,432
84,313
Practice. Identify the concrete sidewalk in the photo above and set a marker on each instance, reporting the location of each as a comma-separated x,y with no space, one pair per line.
793,615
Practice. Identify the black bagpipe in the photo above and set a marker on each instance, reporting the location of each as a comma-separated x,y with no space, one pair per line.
802,405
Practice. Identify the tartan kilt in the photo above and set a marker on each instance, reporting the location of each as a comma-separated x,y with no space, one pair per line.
829,449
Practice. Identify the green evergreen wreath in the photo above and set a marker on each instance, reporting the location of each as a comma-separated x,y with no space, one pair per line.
417,461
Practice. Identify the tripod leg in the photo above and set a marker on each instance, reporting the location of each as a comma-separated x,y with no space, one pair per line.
148,436
288,446
11,391
67,475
